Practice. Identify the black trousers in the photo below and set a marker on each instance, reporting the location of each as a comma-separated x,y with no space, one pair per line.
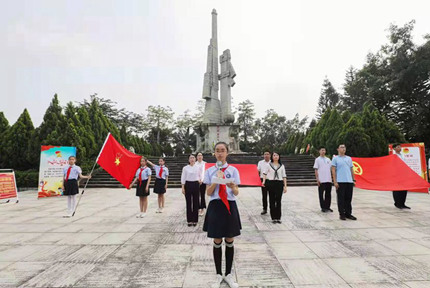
344,198
264,196
192,197
202,196
275,189
399,198
324,191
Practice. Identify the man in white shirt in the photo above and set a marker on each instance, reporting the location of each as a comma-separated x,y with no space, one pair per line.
263,165
322,168
399,196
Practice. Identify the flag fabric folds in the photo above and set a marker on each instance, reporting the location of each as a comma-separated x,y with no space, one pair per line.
249,175
387,173
118,161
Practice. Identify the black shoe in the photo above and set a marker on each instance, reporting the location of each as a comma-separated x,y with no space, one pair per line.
279,221
350,217
190,224
324,210
405,207
341,217
274,221
194,224
329,210
398,206
264,212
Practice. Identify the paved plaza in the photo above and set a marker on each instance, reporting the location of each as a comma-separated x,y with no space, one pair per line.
104,245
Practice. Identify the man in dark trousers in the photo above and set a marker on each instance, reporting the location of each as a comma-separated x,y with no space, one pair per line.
343,177
399,196
262,165
322,168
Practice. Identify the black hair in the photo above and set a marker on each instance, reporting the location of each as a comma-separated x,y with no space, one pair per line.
341,145
322,147
197,154
267,152
72,156
161,158
190,156
221,143
396,144
271,158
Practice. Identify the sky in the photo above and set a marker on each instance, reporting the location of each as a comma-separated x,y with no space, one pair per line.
141,53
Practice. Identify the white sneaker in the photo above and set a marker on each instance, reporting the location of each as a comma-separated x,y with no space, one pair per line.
218,281
230,281
139,215
142,214
160,210
68,215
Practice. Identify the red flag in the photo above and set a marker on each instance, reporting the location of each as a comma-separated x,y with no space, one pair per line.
118,161
388,173
249,175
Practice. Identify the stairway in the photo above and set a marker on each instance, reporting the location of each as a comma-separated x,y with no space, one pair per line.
299,170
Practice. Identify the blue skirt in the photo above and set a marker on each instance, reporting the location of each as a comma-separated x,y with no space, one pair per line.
219,223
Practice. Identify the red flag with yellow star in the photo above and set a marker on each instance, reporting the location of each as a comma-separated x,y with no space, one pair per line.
388,173
118,161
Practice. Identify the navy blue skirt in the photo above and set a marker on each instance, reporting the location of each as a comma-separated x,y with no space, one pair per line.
71,187
160,186
219,223
140,189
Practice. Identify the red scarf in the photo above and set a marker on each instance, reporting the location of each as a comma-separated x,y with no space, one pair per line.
222,192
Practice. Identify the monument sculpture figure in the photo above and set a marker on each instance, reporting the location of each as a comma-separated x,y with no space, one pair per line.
218,119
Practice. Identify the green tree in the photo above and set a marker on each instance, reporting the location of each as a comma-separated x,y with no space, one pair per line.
18,141
4,127
159,119
246,121
51,131
329,98
355,138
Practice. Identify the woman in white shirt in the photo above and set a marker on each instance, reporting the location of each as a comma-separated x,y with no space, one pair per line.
190,179
275,179
202,204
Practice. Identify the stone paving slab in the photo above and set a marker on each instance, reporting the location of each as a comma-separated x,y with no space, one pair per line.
105,245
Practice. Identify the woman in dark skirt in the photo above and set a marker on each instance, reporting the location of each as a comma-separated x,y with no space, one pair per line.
143,175
71,173
275,180
222,217
191,178
161,180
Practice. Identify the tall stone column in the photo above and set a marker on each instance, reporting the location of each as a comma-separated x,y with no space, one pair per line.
226,79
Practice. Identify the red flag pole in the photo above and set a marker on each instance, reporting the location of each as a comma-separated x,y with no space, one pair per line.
95,163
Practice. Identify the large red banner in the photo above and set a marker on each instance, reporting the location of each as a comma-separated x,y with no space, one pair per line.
388,173
249,175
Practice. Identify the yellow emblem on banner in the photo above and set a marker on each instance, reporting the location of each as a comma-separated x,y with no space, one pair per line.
117,161
357,168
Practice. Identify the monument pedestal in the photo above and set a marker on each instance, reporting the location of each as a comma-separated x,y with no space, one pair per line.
210,134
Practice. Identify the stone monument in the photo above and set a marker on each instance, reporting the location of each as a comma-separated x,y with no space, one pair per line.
218,120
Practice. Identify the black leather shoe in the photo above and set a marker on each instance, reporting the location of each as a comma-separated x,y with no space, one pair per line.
329,210
190,224
324,210
406,207
398,206
274,221
264,212
341,217
279,222
350,217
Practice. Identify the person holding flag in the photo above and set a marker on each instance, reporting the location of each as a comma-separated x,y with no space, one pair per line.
70,184
222,216
143,175
400,196
161,180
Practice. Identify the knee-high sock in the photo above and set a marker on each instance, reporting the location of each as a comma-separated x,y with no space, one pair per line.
218,257
229,253
69,203
74,202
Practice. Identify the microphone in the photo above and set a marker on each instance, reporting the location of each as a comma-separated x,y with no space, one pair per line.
219,165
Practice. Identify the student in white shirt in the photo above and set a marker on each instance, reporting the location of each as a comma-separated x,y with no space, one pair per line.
143,175
71,173
202,203
400,196
222,217
161,180
190,179
275,179
262,166
322,168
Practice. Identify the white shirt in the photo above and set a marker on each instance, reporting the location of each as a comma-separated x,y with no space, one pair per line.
145,171
230,173
74,172
202,165
323,165
401,156
157,171
262,166
270,172
191,173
